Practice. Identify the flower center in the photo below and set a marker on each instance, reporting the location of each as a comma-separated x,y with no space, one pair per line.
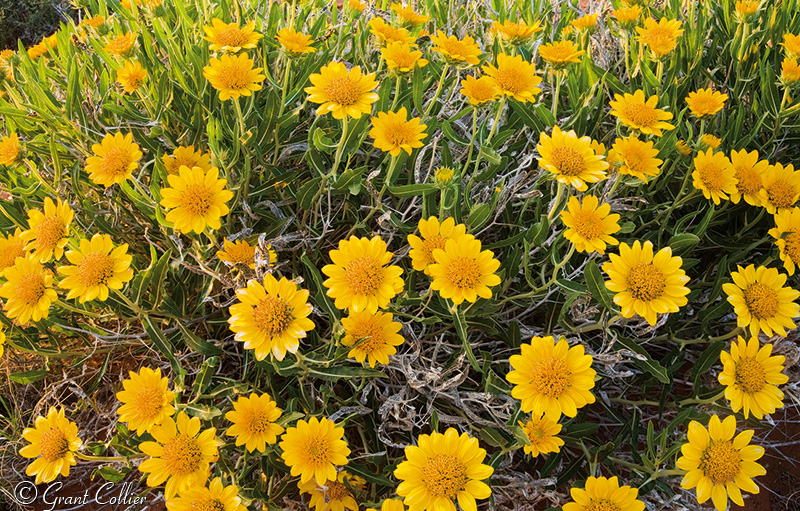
781,194
537,433
257,422
372,334
721,461
400,134
149,402
317,453
602,504
550,377
635,160
588,224
236,76
749,181
568,161
95,269
53,445
197,199
444,476
10,254
30,288
182,455
343,91
50,231
510,80
116,161
336,491
431,244
273,316
364,276
463,273
646,282
208,505
640,114
558,53
761,300
792,247
750,375
241,254
231,37
712,176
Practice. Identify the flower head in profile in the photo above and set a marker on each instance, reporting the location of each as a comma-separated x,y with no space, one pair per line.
186,156
541,432
749,172
372,336
196,199
586,23
462,271
516,32
761,301
342,92
335,494
602,494
230,37
570,158
402,57
11,247
479,90
47,231
443,176
216,496
27,291
751,378
38,50
457,52
790,72
590,225
121,45
234,76
781,187
705,102
634,157
312,449
115,158
387,34
514,77
294,42
434,234
683,147
407,16
627,16
662,37
254,422
52,441
96,267
9,149
560,54
146,400
393,133
709,141
747,9
131,76
791,45
786,233
714,175
639,114
238,252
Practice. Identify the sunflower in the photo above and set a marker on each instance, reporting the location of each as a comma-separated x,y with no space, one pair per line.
434,235
786,233
372,335
11,247
603,494
751,378
634,157
53,440
27,291
97,267
406,15
121,45
781,187
238,252
479,90
714,175
589,224
571,159
541,432
587,22
441,468
116,157
402,57
706,102
271,318
214,497
9,149
196,198
748,173
186,156
146,400
560,54
761,301
387,34
661,37
627,16
791,45
293,42
253,419
233,76
462,271
646,284
633,111
790,72
230,37
311,449
342,92
514,77
457,52
516,33
393,133
131,76
359,278
551,378
720,465
334,495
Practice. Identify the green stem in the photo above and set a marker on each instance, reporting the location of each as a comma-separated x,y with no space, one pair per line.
340,148
386,182
132,306
474,133
239,116
546,285
396,94
89,457
436,94
557,80
281,106
556,201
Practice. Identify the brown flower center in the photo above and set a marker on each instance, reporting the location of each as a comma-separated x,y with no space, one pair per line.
602,504
510,80
791,248
712,176
646,282
761,300
431,244
343,91
721,461
550,377
10,253
257,421
53,445
231,37
364,276
749,181
568,161
336,491
317,451
273,316
208,505
372,335
182,455
444,476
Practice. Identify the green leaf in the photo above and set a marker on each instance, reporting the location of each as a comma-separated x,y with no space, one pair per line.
412,190
339,373
596,284
196,343
704,362
28,376
644,361
307,192
683,243
460,322
479,216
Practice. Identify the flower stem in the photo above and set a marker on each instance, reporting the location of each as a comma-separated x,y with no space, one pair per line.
559,194
396,93
557,80
239,116
436,94
340,148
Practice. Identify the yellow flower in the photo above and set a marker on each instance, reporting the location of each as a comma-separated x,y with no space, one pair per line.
627,16
442,176
441,468
434,235
587,22
230,37
393,133
683,147
746,8
271,318
121,44
790,71
462,271
571,159
131,76
38,50
238,252
253,419
179,455
787,237
387,34
516,33
479,90
115,159
589,224
357,5
27,291
541,432
311,449
2,343
634,157
709,141
342,92
598,147
373,336
646,284
215,496
751,378
294,42
551,378
514,77
560,54
146,400
94,22
603,494
48,230
706,102
53,440
781,187
633,111
97,267
233,76
749,172
406,14
661,37
11,247
186,156
791,45
714,175
402,58
335,494
719,465
359,278
196,199
9,149
455,51
761,301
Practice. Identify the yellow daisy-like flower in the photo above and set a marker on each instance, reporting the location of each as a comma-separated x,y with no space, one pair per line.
746,8
598,147
294,42
634,157
434,235
97,267
514,77
53,440
479,90
357,5
180,455
186,157
560,54
373,336
253,419
442,176
146,400
406,14
551,378
791,45
516,33
790,71
121,44
589,224
719,464
230,37
11,247
214,497
714,175
359,278
781,187
131,76
393,133
271,318
709,141
238,252
234,76
342,92
335,494
387,34
646,284
455,51
786,233
571,159
603,494
706,102
587,22
9,149
48,230
633,111
38,50
402,57
627,16
441,468
27,291
751,378
749,180
683,147
761,301
311,449
115,159
196,198
661,37
541,432
462,271
390,505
